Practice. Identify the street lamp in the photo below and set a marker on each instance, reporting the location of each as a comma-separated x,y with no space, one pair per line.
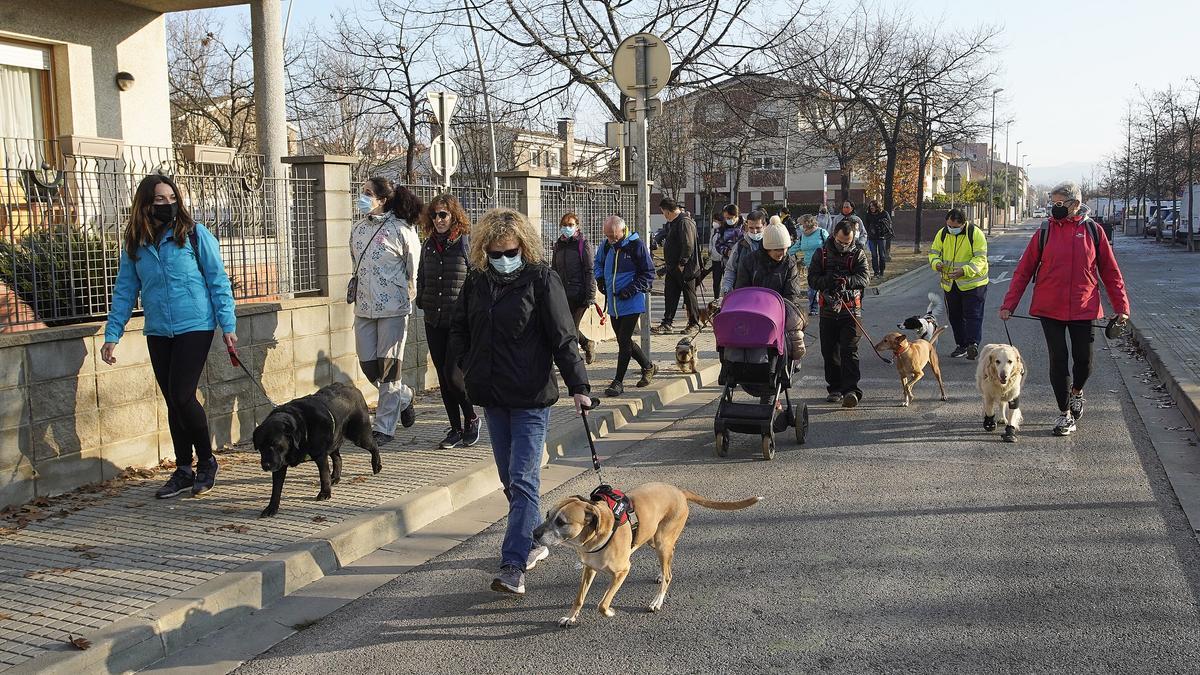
1023,169
991,156
1007,169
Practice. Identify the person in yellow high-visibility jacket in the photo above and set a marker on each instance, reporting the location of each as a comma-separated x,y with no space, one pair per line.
959,256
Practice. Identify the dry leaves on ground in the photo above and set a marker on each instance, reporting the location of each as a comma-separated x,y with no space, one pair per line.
78,642
229,527
319,519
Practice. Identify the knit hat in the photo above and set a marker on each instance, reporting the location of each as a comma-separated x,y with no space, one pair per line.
776,235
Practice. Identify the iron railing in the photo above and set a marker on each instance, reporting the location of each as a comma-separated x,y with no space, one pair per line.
591,202
475,200
62,219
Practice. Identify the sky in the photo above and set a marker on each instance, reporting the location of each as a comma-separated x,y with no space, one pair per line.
1068,67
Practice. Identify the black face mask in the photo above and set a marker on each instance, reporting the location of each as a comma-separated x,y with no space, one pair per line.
1058,212
165,213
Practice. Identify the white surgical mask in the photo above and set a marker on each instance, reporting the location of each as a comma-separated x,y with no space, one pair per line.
568,232
954,230
731,221
505,264
756,236
365,204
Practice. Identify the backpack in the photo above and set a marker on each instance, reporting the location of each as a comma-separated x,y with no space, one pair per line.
1044,235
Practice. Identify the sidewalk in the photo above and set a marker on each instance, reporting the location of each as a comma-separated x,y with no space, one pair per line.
75,565
1164,294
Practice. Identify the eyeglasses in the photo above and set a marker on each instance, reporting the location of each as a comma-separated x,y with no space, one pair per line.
441,214
510,253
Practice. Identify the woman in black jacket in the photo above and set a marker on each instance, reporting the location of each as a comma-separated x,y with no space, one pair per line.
573,255
771,267
444,269
879,236
511,326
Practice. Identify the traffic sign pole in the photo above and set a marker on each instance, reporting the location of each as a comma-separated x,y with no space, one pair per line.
640,171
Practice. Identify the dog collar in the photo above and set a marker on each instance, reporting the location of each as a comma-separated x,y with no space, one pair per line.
898,352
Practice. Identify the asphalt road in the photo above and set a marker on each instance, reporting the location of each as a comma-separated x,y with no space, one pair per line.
896,540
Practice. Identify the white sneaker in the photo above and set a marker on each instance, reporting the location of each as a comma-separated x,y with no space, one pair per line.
536,554
1065,426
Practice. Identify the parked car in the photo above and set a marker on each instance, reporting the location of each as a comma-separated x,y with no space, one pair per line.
1039,213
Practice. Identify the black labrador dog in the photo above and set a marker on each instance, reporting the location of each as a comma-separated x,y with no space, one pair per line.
313,427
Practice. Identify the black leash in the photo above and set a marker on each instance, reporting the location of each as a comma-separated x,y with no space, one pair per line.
592,441
1007,334
1112,330
237,361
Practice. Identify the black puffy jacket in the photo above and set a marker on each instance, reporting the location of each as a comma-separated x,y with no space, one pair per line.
574,262
783,277
839,277
443,273
878,224
508,338
680,246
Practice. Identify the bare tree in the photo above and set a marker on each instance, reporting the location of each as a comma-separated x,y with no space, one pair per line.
388,62
838,128
211,83
566,47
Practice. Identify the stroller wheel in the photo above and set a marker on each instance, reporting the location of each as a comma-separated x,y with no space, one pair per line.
722,443
768,446
800,420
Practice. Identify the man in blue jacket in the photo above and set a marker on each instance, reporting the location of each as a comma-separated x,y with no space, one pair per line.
624,272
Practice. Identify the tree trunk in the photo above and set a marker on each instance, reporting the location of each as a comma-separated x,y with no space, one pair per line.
889,178
845,171
1191,240
922,161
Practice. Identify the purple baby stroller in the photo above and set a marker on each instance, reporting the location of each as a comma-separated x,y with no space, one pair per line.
752,342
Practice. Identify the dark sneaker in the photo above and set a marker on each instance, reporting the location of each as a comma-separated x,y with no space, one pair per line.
471,433
959,352
536,555
381,439
615,389
1009,435
453,439
1075,405
662,329
1065,426
972,351
181,481
206,477
849,400
408,416
648,375
589,352
989,422
509,580
692,329
833,397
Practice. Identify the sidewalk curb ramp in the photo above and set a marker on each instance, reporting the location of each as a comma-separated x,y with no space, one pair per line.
1179,382
171,625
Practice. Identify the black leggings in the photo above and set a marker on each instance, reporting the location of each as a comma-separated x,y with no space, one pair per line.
178,363
1062,380
450,378
624,326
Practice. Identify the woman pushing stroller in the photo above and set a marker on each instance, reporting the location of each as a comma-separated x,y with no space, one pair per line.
771,267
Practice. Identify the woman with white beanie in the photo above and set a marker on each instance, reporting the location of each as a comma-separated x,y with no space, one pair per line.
771,267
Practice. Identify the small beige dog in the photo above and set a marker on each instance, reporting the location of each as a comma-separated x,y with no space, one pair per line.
910,357
685,355
590,528
999,376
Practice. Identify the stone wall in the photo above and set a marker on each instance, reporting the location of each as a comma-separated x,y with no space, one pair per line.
67,418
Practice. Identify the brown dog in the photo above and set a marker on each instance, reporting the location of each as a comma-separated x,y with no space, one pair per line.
685,355
910,357
587,526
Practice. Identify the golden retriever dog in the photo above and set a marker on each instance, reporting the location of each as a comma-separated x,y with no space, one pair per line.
590,528
999,376
910,357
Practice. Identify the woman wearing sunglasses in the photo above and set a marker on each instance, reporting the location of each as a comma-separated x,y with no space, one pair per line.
444,268
1069,255
510,327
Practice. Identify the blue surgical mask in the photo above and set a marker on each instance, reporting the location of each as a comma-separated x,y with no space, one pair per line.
568,232
365,204
954,230
755,236
505,264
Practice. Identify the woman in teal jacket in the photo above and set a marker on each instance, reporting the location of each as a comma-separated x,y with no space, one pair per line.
174,264
810,239
624,272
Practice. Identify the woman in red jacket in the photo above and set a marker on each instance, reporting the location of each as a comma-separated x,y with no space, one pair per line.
1069,267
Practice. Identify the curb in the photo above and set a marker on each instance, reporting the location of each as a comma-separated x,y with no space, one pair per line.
902,280
171,625
1181,386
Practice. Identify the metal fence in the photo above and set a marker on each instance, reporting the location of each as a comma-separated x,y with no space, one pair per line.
475,200
62,217
591,202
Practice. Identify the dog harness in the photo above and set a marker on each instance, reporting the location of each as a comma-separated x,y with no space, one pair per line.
622,510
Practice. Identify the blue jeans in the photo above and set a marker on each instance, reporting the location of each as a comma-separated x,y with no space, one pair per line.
880,250
518,436
812,301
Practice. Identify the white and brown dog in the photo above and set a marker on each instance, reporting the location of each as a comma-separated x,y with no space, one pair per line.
604,545
999,376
